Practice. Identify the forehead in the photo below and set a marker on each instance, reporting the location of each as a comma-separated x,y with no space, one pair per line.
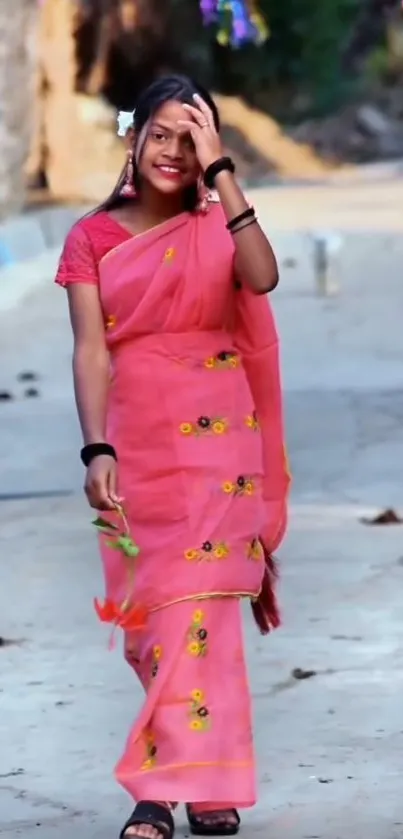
169,113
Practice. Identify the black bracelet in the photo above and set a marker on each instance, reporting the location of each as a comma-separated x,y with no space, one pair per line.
94,450
249,213
223,164
244,226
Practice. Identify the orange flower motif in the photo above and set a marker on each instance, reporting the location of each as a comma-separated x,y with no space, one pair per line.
130,619
110,322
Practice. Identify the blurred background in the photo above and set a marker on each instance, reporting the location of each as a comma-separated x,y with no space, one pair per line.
324,89
311,98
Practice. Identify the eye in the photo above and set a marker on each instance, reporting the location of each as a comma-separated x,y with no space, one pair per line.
159,136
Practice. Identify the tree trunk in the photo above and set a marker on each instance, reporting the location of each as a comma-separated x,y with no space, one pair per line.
17,79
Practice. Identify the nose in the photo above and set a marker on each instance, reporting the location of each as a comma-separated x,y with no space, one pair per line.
173,150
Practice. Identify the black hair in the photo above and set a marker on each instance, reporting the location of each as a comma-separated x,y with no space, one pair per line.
166,89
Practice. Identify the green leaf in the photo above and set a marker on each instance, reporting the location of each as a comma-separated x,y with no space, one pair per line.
126,544
112,544
104,526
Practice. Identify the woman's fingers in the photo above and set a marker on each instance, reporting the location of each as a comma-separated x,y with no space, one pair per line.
112,486
205,110
98,497
200,118
192,127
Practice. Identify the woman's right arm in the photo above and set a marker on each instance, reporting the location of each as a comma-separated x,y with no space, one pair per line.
91,382
90,360
78,273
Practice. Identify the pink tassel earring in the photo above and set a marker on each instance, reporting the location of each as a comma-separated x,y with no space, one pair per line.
128,189
204,198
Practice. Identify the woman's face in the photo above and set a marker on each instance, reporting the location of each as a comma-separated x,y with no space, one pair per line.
168,160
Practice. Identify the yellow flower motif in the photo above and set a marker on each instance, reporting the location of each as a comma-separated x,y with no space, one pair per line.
191,555
210,363
228,487
249,488
220,552
218,427
197,695
186,428
195,725
148,764
157,651
234,361
255,550
194,648
198,616
252,422
110,321
169,254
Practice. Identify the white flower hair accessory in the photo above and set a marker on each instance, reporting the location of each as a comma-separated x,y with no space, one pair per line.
125,122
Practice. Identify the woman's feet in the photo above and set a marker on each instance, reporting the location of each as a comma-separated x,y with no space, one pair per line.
149,820
212,822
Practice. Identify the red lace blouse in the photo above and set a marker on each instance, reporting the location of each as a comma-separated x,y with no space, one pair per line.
86,243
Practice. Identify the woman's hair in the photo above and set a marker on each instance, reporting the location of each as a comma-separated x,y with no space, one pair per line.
166,89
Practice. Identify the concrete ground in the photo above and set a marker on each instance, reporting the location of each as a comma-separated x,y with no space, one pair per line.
329,746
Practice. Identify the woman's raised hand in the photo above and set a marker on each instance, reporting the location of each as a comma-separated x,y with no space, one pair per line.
203,132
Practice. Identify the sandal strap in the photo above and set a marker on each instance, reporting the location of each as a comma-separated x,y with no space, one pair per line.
155,815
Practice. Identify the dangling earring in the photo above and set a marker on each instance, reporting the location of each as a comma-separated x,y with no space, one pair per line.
128,189
204,197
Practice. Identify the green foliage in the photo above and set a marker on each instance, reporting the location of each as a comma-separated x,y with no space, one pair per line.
300,66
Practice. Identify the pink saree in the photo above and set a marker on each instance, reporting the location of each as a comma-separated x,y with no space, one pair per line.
195,414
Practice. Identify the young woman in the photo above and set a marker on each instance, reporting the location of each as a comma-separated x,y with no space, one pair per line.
178,394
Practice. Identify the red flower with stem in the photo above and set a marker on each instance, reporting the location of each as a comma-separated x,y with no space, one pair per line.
129,615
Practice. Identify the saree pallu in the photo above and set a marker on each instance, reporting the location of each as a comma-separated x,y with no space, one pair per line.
194,412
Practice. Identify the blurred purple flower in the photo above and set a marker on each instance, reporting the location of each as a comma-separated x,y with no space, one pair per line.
209,11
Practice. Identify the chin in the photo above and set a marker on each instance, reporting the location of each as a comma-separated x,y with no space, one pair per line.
168,188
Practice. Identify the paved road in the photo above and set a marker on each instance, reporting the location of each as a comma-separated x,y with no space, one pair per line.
330,746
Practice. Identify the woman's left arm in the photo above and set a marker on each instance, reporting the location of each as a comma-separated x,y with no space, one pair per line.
255,262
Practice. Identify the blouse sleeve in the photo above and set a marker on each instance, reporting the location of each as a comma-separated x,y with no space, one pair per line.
77,263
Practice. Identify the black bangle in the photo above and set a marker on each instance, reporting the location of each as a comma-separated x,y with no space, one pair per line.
249,213
223,164
94,450
243,226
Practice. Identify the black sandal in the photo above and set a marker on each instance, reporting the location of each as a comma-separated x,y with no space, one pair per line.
198,826
152,814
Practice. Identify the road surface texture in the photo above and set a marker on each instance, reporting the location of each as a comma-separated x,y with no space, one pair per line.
329,746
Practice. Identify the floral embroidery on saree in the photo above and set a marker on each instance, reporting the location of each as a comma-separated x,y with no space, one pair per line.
199,716
110,322
169,254
205,425
156,657
197,636
222,361
209,551
151,751
242,486
252,422
255,550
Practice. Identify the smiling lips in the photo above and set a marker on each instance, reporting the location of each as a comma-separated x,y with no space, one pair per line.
170,172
